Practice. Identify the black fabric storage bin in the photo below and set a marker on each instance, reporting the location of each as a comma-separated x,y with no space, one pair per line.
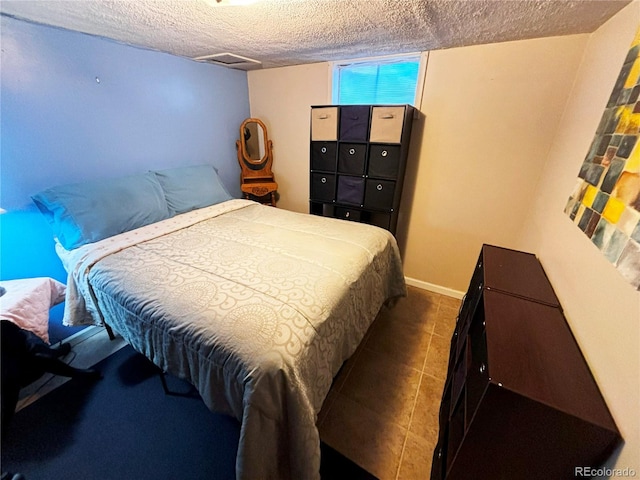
323,156
368,167
379,194
354,123
384,160
350,190
323,187
352,157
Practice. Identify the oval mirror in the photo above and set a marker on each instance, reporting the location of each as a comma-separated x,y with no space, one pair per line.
254,138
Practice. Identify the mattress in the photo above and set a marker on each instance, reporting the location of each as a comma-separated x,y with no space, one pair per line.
257,307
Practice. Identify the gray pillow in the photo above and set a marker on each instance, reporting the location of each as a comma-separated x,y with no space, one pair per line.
87,212
188,188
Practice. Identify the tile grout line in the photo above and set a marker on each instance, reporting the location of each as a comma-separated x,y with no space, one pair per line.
415,400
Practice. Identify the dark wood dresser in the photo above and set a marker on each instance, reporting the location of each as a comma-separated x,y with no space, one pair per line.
358,157
519,401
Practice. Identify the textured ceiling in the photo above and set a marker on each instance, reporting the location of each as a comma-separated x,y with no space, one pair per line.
289,32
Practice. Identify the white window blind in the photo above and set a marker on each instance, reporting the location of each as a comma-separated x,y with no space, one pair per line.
387,81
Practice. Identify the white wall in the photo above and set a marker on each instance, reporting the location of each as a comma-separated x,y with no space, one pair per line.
493,160
282,99
602,309
491,113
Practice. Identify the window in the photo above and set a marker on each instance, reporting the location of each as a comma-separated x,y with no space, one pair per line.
387,80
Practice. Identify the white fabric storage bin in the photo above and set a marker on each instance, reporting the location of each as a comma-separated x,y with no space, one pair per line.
386,124
324,123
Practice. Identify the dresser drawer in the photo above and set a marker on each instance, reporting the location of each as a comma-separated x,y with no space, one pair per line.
352,157
348,214
386,124
455,432
323,156
459,373
323,187
354,123
379,194
469,307
384,160
324,123
478,372
436,463
350,190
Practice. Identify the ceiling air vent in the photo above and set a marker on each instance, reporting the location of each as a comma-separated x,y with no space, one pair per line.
231,60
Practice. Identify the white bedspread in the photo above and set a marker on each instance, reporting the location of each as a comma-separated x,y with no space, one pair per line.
258,307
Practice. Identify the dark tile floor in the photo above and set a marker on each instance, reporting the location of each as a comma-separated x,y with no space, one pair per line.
382,411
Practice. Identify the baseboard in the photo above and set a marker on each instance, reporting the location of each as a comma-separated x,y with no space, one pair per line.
449,292
87,332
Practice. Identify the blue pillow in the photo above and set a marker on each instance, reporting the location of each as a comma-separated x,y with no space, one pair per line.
188,188
87,212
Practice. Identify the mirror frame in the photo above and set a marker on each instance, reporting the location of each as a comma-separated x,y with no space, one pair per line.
243,145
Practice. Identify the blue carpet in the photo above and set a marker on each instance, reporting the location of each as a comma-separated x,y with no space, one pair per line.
58,331
125,427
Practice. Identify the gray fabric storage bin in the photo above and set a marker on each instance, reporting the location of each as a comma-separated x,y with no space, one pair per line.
354,123
350,190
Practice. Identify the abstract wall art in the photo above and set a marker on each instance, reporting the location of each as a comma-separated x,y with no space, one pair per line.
605,202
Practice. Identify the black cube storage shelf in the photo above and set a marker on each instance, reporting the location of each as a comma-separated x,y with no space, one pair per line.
358,160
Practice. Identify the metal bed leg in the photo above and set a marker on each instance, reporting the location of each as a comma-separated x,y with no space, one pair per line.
109,332
163,379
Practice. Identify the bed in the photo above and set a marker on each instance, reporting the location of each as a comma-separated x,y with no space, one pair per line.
257,307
